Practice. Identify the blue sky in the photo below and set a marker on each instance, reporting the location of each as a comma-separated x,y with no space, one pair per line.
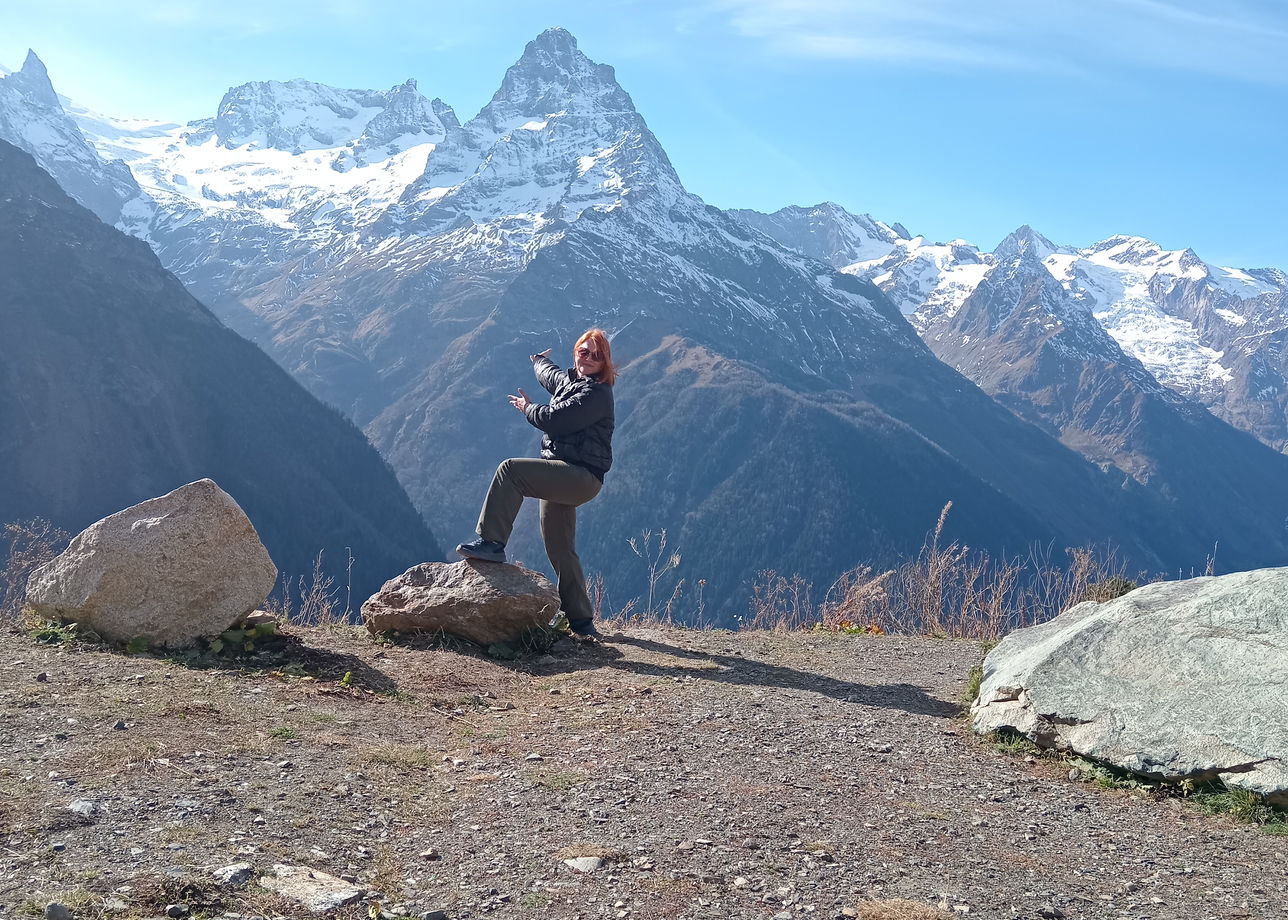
1083,118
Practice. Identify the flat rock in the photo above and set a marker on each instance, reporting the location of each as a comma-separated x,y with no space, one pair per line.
317,891
171,569
584,863
1175,680
485,602
233,876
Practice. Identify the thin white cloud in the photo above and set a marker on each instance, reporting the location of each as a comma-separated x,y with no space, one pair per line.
1244,41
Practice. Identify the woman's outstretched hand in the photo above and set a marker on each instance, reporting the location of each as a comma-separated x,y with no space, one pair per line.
543,354
521,402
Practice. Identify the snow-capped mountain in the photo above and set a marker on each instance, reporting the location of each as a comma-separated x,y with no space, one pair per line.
1076,342
773,412
1215,334
32,119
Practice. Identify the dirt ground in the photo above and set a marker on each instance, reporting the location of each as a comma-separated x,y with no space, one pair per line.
712,774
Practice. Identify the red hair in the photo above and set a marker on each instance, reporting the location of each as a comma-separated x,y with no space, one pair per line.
598,341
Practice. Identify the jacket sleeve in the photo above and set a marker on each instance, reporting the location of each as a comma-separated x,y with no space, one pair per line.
580,410
548,374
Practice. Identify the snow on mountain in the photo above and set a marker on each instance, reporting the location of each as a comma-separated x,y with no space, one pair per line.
1213,333
32,119
1124,281
297,156
1117,278
827,232
926,281
560,137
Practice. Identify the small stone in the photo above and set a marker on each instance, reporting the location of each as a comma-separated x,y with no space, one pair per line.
1075,774
749,844
685,845
59,847
40,679
119,726
885,748
584,863
534,757
56,911
431,854
234,876
434,915
740,882
83,807
1051,912
176,910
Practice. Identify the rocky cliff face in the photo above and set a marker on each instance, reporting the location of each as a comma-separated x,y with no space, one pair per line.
117,386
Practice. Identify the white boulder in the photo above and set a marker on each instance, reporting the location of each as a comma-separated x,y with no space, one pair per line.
1175,680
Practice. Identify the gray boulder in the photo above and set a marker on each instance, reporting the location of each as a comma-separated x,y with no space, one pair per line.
485,602
1175,680
170,569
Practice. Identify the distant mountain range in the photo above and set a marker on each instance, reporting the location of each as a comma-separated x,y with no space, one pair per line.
776,410
1216,335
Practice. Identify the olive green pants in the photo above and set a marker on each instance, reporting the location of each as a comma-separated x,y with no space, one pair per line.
561,488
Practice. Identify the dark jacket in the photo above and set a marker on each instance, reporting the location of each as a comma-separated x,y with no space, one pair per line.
578,423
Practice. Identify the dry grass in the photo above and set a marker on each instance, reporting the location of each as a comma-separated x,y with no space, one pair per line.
947,591
27,546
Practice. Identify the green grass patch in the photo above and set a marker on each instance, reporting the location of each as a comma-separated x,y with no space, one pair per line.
1005,741
971,690
1242,806
50,632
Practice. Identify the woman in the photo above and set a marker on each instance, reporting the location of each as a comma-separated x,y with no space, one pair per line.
576,451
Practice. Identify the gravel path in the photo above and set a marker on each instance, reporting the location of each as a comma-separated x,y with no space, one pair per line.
696,774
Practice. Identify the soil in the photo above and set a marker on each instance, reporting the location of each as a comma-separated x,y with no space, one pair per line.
711,774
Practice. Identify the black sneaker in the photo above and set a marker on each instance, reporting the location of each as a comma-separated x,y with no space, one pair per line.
483,550
586,631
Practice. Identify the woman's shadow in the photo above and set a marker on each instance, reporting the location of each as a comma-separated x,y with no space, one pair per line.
732,669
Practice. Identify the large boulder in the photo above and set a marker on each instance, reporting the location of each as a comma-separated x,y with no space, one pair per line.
170,569
485,602
1175,680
